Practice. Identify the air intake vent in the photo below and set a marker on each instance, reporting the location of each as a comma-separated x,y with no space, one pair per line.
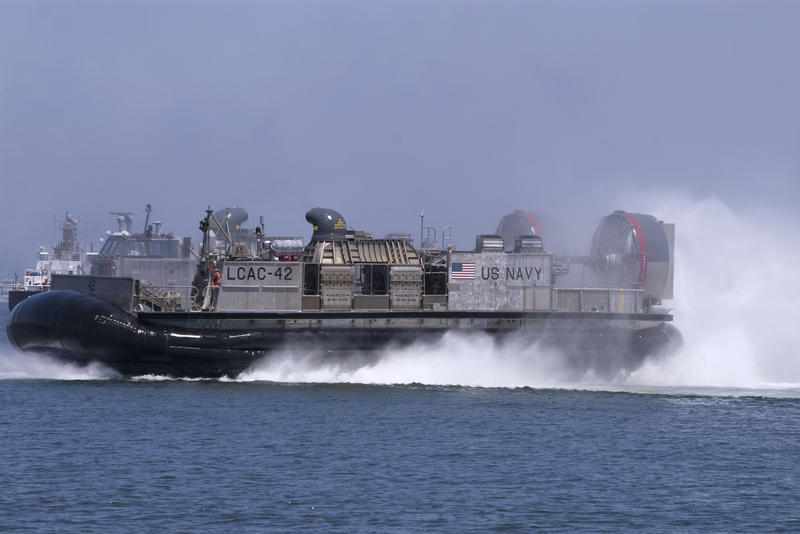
528,243
489,243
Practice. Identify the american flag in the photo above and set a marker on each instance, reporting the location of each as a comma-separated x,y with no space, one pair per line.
463,271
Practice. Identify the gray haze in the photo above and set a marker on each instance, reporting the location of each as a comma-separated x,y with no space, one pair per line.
468,109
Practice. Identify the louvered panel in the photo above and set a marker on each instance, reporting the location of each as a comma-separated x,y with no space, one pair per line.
319,252
389,250
402,257
347,252
352,253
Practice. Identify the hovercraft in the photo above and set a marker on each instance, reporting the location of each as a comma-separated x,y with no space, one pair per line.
348,294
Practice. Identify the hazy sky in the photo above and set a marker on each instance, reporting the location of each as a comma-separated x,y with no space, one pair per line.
468,109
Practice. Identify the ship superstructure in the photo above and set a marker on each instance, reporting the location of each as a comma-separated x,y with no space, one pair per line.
165,262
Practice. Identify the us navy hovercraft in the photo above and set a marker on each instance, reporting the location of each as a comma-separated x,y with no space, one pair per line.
348,293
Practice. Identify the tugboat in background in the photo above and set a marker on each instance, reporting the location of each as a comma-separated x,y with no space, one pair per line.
65,258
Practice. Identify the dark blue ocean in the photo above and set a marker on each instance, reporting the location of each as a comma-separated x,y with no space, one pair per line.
82,451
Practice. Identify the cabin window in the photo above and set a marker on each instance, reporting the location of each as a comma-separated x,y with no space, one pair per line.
164,248
311,279
436,282
371,279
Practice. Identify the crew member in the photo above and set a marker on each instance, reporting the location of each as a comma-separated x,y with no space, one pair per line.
216,277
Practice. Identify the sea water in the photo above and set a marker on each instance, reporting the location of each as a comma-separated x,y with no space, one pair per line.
456,436
133,456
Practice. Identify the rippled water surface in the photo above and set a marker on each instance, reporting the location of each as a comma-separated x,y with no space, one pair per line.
82,452
125,455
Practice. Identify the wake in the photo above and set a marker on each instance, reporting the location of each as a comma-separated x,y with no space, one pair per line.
17,366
